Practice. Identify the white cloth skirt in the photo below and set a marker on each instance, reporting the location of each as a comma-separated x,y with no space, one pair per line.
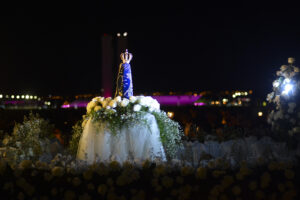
136,142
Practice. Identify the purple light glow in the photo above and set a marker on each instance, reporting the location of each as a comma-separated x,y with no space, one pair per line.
199,104
179,100
14,102
65,106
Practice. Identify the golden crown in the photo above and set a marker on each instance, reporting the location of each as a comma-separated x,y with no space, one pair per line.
126,57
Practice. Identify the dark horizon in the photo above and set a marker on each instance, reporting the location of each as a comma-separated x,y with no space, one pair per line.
58,51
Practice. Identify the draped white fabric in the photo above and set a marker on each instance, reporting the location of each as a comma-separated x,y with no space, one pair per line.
135,142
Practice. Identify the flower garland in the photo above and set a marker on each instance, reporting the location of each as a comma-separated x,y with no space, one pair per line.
122,112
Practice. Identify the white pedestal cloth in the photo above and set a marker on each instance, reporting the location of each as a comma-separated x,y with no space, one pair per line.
136,142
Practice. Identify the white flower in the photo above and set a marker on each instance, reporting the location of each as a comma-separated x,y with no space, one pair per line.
132,99
98,99
137,107
112,104
124,102
104,103
155,105
143,101
118,99
97,108
90,106
151,109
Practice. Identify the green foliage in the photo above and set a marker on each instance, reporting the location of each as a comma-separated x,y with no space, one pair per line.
122,117
170,133
29,139
76,134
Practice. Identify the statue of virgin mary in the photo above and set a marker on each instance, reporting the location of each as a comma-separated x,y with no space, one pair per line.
123,128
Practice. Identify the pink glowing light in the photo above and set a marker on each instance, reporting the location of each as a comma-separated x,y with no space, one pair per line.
173,100
199,104
177,100
66,106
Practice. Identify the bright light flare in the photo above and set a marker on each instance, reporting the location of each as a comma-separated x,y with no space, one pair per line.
287,89
260,114
170,114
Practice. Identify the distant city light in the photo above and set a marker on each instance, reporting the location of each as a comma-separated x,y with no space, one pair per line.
22,96
118,34
264,103
27,96
170,114
1,96
31,97
260,114
18,96
35,97
12,96
125,34
225,101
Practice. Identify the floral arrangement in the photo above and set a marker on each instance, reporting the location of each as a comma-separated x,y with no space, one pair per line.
29,140
30,180
121,112
76,134
285,117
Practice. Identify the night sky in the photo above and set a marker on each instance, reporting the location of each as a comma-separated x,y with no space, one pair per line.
56,49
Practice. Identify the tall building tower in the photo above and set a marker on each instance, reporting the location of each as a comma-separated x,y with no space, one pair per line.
121,45
112,47
107,65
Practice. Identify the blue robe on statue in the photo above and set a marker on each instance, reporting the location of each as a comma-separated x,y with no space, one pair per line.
124,81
